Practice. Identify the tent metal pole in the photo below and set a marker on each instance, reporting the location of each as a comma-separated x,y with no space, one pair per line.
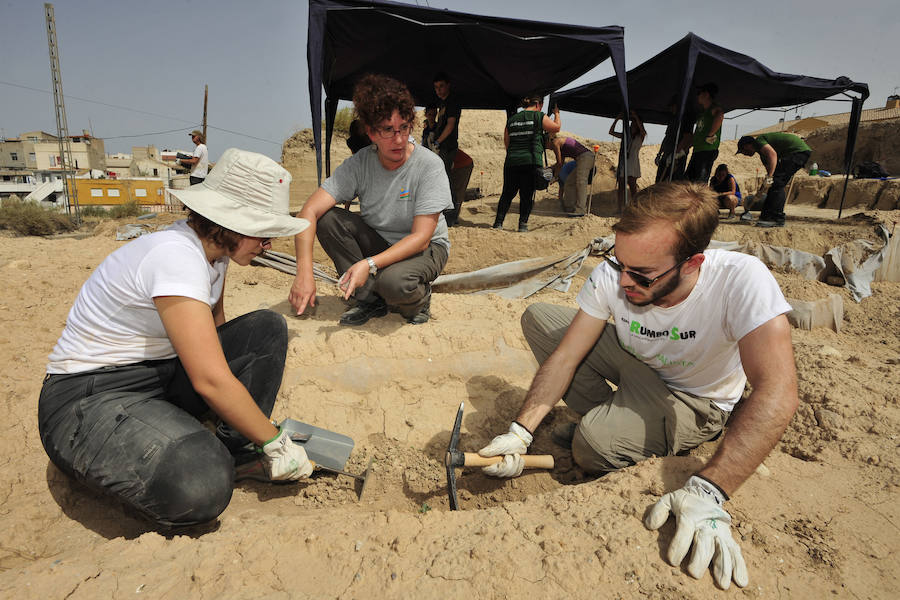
852,129
675,149
843,193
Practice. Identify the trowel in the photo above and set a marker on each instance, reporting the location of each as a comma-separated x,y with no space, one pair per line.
326,450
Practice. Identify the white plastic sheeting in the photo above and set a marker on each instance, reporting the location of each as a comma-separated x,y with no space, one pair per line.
855,262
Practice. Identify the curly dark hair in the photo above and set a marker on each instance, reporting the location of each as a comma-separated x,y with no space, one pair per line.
376,97
216,234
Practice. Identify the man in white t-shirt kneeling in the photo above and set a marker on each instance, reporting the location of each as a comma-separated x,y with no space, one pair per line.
679,330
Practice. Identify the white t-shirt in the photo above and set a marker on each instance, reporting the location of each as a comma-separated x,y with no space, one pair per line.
693,345
201,169
634,158
114,320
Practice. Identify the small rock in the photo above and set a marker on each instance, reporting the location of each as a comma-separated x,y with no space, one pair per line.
873,460
829,351
762,470
828,419
358,545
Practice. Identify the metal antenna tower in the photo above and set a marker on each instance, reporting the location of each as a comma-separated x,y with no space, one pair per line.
67,165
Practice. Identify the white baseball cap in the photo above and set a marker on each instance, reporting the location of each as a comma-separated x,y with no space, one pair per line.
247,193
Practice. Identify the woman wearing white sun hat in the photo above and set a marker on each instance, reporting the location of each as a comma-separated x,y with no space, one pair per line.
146,352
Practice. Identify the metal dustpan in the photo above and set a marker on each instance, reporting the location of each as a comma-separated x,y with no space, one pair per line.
327,449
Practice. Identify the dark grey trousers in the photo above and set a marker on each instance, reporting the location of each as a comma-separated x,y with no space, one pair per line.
132,431
405,285
773,209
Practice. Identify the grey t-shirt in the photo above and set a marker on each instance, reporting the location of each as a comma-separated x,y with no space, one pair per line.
389,200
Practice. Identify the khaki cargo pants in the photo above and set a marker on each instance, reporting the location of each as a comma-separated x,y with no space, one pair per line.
642,418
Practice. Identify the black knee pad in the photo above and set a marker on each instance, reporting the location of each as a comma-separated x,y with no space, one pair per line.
193,483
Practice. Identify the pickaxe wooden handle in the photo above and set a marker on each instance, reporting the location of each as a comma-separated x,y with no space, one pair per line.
532,461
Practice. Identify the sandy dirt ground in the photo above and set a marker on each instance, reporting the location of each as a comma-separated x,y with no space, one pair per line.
819,519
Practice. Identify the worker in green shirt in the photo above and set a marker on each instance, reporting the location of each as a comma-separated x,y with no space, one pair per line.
707,134
782,154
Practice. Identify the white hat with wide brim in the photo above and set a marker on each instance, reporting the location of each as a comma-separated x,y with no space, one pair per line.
247,193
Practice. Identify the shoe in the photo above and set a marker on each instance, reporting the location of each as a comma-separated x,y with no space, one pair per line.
363,311
562,435
422,316
523,228
746,216
770,224
497,225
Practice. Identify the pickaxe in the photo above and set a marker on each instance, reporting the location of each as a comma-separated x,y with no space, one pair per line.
455,459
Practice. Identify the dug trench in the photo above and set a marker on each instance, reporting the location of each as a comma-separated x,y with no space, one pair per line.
393,388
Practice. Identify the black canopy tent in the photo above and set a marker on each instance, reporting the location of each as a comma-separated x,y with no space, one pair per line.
492,62
744,83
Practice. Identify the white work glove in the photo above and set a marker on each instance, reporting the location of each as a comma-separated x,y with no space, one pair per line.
284,460
680,154
701,520
511,445
769,180
711,139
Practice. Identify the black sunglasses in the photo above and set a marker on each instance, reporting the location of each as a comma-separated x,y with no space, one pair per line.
641,280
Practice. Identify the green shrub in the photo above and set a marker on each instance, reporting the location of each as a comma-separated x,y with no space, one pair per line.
30,218
128,209
93,211
342,120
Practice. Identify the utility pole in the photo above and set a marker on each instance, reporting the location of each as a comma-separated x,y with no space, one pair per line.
66,164
205,97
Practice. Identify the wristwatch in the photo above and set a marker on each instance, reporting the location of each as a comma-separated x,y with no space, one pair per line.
373,268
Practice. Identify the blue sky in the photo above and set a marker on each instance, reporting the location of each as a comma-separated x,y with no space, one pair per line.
133,71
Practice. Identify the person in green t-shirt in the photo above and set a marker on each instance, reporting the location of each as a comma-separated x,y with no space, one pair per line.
524,140
782,154
707,134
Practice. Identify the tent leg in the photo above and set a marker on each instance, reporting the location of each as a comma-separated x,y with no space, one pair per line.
591,189
843,193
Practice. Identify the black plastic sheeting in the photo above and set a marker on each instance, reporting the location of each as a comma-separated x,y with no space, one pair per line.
744,83
492,62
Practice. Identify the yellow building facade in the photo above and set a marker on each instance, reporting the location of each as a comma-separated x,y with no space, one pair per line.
106,192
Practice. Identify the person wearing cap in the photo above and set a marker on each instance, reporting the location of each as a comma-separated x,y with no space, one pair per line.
782,155
389,252
147,352
707,134
653,361
199,162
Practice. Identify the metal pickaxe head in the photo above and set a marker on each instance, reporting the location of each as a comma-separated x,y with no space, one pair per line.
454,458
